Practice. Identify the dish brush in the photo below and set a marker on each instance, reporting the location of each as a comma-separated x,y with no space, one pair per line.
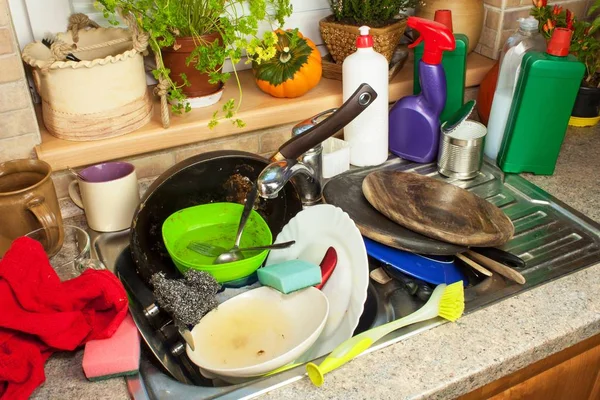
446,301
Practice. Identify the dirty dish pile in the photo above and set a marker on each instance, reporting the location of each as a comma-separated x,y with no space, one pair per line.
215,224
315,229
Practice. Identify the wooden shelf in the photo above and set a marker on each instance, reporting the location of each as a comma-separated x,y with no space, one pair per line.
258,111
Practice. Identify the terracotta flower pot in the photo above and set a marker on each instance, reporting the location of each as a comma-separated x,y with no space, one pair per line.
175,60
340,38
467,16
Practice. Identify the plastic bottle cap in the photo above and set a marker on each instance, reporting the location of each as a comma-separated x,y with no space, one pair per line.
560,42
364,40
528,24
437,37
444,17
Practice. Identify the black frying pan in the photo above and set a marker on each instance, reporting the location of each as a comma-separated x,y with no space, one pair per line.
225,176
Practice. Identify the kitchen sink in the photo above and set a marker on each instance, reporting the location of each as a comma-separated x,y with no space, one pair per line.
551,237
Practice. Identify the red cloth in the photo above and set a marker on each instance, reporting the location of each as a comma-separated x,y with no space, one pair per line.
39,314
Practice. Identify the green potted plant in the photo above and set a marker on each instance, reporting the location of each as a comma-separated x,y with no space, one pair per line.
340,30
191,39
585,45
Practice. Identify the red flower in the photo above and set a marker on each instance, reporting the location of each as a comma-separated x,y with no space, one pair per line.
557,9
539,3
569,17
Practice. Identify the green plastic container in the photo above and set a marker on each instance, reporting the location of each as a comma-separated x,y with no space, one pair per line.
215,224
455,67
540,112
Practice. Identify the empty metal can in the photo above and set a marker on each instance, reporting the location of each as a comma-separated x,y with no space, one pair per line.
461,150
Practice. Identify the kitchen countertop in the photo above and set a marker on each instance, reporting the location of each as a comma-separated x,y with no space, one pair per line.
454,358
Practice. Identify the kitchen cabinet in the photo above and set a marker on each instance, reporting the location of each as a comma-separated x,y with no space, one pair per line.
571,374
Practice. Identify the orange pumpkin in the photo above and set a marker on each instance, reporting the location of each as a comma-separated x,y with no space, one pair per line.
294,70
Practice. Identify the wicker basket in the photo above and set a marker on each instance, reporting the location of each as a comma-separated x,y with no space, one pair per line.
340,38
103,96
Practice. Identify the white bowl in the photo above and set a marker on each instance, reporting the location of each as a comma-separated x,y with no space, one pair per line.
258,331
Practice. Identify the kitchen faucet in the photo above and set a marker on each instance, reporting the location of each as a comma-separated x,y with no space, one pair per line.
304,177
306,173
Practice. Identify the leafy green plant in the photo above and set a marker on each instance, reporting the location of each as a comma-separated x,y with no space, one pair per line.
236,21
368,12
585,44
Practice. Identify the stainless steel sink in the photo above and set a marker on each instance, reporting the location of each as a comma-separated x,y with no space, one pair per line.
551,237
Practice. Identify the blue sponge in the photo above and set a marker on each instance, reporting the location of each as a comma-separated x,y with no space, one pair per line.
290,276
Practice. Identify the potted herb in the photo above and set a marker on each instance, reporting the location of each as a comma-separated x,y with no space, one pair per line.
191,39
585,45
340,30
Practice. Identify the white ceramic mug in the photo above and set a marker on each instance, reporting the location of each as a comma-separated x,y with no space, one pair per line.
109,195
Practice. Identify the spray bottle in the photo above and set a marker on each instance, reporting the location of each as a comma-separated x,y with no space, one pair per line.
415,120
455,67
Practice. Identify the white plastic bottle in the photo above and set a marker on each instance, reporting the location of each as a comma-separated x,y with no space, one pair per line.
527,38
367,133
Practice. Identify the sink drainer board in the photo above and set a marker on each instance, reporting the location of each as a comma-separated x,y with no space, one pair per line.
551,237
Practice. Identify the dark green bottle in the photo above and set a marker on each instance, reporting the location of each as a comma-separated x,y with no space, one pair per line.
541,107
455,67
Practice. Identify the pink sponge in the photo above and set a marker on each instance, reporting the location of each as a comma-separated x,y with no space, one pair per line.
116,356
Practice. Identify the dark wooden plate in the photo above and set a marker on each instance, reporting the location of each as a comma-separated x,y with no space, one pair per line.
437,209
345,192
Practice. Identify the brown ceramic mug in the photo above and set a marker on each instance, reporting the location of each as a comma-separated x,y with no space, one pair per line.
28,202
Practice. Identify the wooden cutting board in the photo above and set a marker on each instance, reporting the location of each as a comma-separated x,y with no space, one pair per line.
437,209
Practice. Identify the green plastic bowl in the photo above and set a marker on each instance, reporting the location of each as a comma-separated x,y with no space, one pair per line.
215,224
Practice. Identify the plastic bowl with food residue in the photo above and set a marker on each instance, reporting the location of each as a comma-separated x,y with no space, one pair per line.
215,224
258,331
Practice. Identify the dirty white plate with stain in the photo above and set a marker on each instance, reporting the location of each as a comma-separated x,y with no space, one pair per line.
315,229
258,331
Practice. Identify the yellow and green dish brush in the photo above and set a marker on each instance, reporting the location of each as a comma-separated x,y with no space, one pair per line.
446,301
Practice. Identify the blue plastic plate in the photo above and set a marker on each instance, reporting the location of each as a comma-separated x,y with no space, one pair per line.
432,269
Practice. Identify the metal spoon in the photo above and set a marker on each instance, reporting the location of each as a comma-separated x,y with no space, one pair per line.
250,198
77,174
236,254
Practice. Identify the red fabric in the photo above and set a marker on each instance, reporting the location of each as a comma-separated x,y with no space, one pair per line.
39,314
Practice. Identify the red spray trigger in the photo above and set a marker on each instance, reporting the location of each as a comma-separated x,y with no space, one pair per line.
437,37
416,42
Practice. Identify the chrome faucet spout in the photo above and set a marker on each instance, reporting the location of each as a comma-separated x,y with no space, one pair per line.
274,177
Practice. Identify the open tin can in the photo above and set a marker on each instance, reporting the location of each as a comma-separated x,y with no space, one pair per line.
460,154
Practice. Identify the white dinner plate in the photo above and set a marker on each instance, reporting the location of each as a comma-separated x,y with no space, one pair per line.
315,229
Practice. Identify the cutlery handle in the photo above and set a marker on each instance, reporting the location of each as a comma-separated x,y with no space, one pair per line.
327,266
473,265
277,246
497,267
501,256
248,206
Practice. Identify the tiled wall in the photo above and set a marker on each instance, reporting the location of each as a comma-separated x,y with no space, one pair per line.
18,126
501,21
264,142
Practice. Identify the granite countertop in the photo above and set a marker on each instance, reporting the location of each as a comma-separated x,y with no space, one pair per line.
451,359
